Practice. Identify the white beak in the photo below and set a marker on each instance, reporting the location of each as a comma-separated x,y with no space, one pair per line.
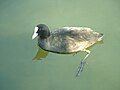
35,34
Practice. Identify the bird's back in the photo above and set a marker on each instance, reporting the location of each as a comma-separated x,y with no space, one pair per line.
69,40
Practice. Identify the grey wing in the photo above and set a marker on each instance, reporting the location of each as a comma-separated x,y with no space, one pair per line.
68,41
82,36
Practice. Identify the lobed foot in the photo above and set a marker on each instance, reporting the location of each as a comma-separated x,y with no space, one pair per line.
80,68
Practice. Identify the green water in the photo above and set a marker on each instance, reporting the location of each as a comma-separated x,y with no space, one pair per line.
57,72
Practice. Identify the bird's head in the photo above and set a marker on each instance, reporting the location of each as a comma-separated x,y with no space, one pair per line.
42,31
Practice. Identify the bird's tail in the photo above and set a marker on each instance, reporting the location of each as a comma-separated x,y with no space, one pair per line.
100,37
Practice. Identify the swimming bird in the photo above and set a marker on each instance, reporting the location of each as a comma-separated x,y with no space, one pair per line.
65,40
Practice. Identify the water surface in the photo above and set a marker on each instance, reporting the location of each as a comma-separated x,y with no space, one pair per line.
57,72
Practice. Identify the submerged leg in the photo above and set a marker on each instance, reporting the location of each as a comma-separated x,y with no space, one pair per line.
82,63
40,54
